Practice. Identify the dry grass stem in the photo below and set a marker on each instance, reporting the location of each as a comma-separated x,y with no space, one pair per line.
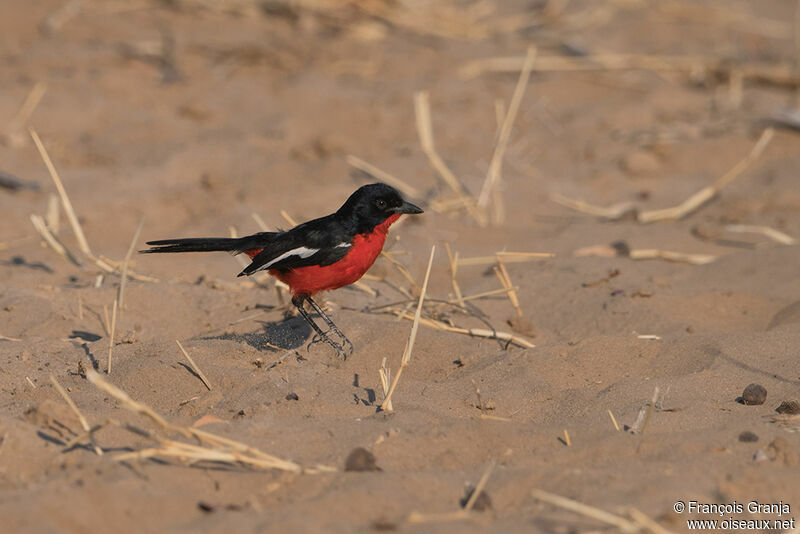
104,263
505,280
465,513
474,332
260,222
605,62
567,441
53,216
772,233
6,338
499,113
77,412
496,163
612,212
480,405
508,257
386,379
479,487
412,336
361,286
402,270
613,420
111,335
124,275
685,208
491,417
24,113
212,448
288,218
30,382
52,240
646,522
650,409
453,269
106,321
195,368
383,176
668,255
65,202
585,510
425,131
493,292
697,200
650,337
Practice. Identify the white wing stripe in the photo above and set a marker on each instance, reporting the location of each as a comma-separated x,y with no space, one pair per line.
344,245
302,252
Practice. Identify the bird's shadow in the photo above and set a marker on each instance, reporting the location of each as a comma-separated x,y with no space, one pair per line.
287,334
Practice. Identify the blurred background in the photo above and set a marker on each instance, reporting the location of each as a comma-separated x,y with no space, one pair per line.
557,126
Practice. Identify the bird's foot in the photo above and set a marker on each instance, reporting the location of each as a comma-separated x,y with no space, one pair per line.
346,343
340,350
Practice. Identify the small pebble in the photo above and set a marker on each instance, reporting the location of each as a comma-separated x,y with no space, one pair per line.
360,459
760,456
748,437
790,407
129,337
482,503
292,396
622,248
383,525
754,395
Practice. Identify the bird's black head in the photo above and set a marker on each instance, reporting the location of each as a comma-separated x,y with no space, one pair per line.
372,204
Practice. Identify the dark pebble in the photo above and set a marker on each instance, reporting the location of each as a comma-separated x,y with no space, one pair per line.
622,248
360,459
748,437
790,407
205,507
482,503
754,395
292,396
383,525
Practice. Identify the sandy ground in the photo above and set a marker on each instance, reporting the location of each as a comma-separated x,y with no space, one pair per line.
193,117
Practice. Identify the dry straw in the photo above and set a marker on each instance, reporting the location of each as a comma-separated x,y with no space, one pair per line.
102,262
474,332
84,424
464,513
195,368
685,208
771,233
111,331
422,113
386,405
496,163
125,262
211,448
638,521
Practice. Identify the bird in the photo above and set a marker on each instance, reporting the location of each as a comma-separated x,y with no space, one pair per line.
319,255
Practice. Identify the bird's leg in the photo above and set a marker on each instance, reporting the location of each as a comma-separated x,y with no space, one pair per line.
331,325
298,302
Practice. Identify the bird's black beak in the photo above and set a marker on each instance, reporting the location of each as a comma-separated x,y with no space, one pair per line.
409,208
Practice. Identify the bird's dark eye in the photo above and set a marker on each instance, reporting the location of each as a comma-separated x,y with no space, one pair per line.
381,204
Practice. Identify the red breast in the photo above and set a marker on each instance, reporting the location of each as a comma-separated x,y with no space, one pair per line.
362,254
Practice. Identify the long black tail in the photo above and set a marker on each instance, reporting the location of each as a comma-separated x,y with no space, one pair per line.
210,244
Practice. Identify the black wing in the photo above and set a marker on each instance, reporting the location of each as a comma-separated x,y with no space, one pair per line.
319,242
